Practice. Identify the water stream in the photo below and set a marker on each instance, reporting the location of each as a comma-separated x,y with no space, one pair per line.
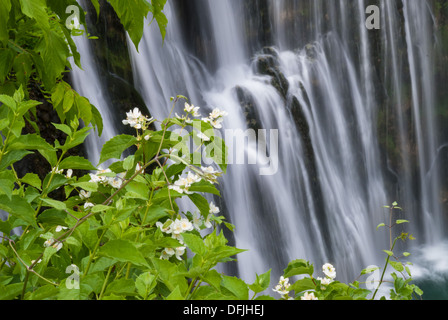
336,94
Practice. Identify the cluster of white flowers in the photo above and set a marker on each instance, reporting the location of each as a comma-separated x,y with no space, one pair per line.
183,184
309,296
103,176
175,228
190,110
60,228
136,120
54,243
194,111
215,118
198,219
330,274
210,174
282,287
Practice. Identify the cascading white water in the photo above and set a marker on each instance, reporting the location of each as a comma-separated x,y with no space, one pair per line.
326,198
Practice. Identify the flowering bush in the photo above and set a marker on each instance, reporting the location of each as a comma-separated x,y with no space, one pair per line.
119,233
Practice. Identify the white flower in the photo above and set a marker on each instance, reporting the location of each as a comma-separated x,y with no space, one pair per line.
180,252
178,237
192,109
88,205
197,221
117,181
167,253
60,228
283,286
56,244
329,270
84,194
186,225
213,209
209,174
216,113
308,296
176,227
147,137
69,173
207,222
165,227
56,170
98,177
325,281
183,184
136,120
203,137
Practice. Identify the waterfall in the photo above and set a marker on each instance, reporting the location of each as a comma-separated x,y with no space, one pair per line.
332,90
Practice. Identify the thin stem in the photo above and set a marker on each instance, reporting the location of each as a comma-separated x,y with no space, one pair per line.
384,270
92,255
24,284
105,283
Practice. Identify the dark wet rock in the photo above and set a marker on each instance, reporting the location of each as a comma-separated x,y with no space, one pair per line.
248,106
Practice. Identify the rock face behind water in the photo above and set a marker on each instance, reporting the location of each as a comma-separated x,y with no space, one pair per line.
267,64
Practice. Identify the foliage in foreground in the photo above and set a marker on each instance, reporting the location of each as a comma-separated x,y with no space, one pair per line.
117,232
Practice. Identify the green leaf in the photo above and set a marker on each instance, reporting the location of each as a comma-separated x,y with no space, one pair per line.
132,15
76,163
11,291
155,213
261,282
236,287
389,253
8,101
123,251
145,284
162,21
69,100
100,208
176,294
204,186
298,267
33,180
194,243
369,270
302,285
54,52
380,225
84,108
55,204
201,203
397,266
121,286
30,142
87,186
5,7
401,221
18,207
137,190
36,9
46,292
12,157
76,139
6,59
23,67
115,147
57,96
